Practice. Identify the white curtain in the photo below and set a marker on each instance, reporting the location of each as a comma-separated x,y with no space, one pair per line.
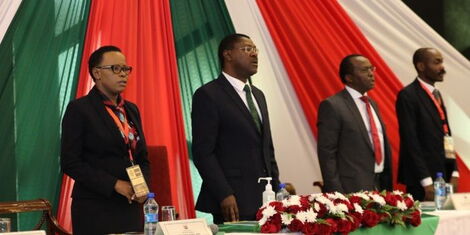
294,144
8,10
396,32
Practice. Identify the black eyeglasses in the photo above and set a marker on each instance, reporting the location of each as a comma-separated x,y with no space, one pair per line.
116,68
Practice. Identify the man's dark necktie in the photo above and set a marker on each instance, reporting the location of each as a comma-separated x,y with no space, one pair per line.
252,107
437,96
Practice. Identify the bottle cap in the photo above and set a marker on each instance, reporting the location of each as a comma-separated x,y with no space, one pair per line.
268,184
439,174
282,185
151,195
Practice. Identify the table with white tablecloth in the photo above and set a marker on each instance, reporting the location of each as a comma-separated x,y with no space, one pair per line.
452,222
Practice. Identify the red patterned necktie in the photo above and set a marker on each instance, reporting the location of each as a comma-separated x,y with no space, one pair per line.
374,131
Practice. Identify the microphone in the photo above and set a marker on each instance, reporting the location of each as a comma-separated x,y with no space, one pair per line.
214,228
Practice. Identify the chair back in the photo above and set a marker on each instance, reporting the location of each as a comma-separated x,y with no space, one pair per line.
35,205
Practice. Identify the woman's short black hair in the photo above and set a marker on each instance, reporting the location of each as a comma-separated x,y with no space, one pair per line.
97,56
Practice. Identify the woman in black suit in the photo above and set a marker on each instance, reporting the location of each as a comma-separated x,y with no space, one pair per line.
102,135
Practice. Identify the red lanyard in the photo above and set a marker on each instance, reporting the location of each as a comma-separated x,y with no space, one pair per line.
124,129
438,107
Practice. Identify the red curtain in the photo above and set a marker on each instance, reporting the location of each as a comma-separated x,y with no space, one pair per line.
312,38
143,31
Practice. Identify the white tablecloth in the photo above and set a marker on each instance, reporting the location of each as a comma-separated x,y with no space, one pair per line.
452,222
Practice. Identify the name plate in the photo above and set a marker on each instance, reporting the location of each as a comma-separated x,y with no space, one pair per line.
458,201
183,227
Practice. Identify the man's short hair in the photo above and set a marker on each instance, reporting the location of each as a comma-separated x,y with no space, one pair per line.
420,56
97,56
346,67
227,44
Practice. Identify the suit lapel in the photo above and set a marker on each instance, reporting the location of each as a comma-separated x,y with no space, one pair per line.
232,93
428,104
357,116
100,109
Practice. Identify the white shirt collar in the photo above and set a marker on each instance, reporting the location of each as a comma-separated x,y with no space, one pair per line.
427,85
355,94
237,84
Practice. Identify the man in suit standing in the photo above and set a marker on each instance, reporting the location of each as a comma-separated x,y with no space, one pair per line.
424,129
232,144
353,148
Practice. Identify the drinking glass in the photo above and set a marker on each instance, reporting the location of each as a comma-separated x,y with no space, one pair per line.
168,213
5,225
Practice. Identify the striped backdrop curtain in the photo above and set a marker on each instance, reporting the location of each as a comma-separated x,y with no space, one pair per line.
172,45
40,56
198,26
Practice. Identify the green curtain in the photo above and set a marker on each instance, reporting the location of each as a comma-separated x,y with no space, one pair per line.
198,27
457,25
39,65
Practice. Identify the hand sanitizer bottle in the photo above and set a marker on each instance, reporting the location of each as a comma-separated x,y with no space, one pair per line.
268,194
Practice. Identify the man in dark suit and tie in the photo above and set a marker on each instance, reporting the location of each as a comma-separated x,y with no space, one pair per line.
424,129
232,144
353,148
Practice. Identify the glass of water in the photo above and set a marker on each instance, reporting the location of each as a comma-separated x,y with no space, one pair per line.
5,225
168,213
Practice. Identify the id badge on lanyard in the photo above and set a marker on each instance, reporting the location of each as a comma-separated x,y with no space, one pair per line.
137,180
134,172
448,141
449,147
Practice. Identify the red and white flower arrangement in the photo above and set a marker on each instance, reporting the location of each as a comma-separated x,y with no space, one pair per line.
328,213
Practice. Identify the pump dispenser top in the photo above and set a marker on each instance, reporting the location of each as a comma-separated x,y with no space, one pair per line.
268,194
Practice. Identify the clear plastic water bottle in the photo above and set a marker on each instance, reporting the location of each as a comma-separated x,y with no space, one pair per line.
282,194
439,191
150,215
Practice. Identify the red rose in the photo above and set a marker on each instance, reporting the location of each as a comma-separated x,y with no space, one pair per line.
321,213
409,202
295,225
276,219
415,218
269,227
391,199
370,218
337,200
357,218
349,205
324,229
304,203
355,199
293,209
344,226
309,228
332,223
398,197
277,206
